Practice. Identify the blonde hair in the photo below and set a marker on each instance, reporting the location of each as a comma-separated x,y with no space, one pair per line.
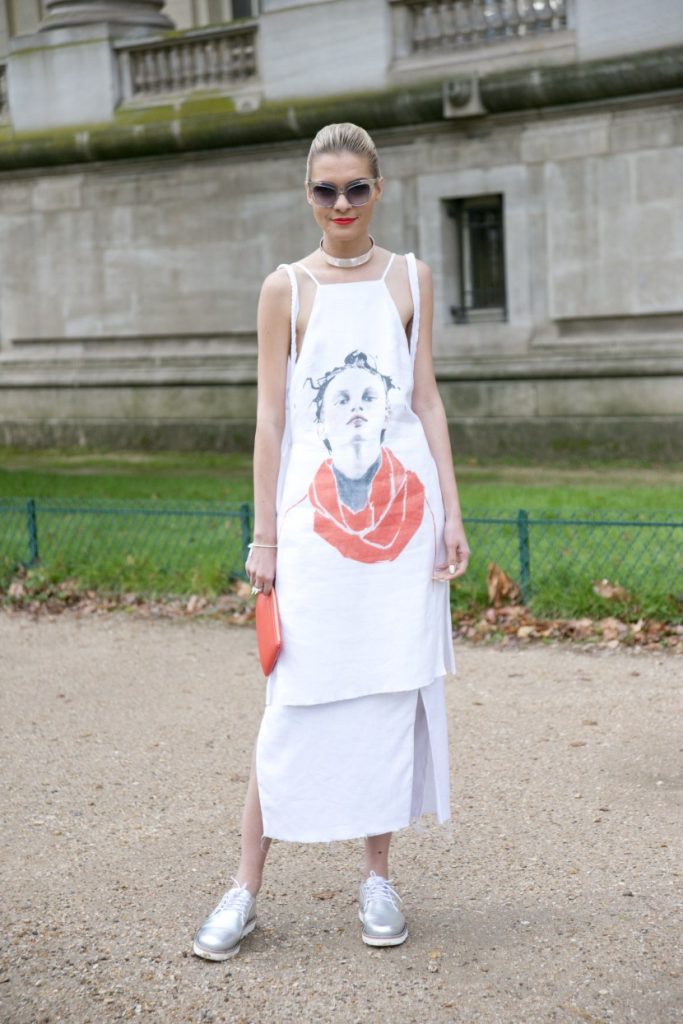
344,138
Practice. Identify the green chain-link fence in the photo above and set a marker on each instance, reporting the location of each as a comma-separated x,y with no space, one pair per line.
557,560
144,546
155,547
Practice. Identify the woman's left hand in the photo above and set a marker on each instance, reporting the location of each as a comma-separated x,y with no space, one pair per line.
457,552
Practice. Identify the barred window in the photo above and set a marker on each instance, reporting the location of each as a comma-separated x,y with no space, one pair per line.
212,12
244,8
479,259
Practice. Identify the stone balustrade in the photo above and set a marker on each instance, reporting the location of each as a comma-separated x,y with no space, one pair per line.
456,24
211,58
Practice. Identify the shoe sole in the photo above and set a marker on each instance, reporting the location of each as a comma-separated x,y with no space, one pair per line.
393,940
390,940
207,954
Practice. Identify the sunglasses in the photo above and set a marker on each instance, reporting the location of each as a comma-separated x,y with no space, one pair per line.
356,193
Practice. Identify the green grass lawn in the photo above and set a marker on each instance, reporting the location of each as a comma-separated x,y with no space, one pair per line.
205,476
197,476
129,544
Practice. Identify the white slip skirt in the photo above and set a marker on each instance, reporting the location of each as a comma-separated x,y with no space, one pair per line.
353,768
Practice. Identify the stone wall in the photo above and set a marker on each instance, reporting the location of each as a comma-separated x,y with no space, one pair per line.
605,29
128,290
339,46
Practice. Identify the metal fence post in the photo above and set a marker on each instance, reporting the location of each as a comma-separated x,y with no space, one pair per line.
245,522
524,555
32,525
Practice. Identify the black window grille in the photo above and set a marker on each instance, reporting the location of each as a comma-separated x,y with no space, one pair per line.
244,8
480,259
225,10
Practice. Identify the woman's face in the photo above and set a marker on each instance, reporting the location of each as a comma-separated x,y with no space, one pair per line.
354,408
343,222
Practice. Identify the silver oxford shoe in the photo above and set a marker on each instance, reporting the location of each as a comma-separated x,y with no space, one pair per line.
219,937
383,923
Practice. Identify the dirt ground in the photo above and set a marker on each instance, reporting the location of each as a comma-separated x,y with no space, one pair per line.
555,897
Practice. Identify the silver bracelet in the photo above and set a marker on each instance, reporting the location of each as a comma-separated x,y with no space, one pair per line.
254,545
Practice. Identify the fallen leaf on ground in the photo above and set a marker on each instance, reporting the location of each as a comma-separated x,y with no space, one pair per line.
613,629
242,588
580,628
502,588
526,631
611,591
31,591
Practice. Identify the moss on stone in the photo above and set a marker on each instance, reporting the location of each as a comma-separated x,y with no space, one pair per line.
145,115
210,122
207,120
525,88
199,104
24,51
189,34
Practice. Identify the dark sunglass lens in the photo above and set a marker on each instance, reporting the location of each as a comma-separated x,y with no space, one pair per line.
359,194
324,195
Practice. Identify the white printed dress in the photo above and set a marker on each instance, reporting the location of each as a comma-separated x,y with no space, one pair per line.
353,740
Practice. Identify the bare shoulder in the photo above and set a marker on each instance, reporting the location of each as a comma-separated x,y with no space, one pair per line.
276,286
424,273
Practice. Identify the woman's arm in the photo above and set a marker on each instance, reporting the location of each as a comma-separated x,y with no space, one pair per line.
428,406
273,330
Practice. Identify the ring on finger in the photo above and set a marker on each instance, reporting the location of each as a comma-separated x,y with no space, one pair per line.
257,590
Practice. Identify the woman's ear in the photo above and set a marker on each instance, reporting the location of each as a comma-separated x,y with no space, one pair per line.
379,185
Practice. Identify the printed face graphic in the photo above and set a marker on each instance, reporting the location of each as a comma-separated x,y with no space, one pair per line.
366,503
354,409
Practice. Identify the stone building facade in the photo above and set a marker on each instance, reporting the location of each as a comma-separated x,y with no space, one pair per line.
151,171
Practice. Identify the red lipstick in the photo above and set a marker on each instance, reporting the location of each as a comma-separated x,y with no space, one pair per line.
344,220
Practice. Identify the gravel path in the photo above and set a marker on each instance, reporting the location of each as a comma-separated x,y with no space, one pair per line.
556,897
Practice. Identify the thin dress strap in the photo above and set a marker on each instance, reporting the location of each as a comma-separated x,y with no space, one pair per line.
294,309
388,266
415,292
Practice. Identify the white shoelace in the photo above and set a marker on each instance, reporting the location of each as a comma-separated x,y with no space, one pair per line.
238,898
377,888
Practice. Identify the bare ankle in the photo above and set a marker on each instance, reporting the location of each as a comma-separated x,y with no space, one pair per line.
250,881
377,870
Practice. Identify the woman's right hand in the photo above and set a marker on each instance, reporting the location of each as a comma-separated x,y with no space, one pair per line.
260,566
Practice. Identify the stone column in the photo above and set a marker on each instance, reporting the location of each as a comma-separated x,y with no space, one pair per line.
67,73
124,14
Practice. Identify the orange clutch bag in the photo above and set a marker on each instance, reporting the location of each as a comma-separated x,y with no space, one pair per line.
268,635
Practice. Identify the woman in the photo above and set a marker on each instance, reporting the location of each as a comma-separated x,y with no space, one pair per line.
357,521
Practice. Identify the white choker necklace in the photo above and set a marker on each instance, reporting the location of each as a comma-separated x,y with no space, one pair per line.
349,261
